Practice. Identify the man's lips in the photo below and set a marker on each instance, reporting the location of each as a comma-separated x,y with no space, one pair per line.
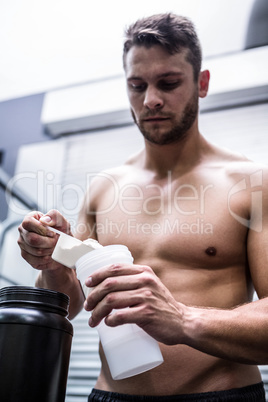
155,119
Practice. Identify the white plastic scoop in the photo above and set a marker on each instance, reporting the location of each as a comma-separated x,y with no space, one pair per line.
69,249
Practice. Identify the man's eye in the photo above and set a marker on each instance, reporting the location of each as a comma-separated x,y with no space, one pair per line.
169,85
137,87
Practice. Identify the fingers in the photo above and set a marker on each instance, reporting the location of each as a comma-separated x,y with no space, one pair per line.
115,270
114,278
32,223
137,301
110,285
36,241
33,234
55,219
40,263
36,249
36,244
120,286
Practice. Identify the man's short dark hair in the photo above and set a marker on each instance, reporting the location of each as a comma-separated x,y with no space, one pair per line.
171,31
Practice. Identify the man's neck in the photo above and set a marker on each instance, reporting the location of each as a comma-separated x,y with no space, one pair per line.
178,157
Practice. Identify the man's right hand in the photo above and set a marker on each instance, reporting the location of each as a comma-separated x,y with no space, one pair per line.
37,242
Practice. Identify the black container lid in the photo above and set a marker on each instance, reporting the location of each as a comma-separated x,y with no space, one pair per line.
36,296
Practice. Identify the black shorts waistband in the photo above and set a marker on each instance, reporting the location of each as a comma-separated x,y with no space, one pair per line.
251,393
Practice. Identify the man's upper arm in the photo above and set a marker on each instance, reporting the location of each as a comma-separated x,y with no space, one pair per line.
86,223
257,242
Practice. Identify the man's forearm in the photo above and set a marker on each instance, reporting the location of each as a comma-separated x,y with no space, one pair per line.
240,334
63,280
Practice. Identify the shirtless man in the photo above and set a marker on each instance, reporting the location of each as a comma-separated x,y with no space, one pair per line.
195,218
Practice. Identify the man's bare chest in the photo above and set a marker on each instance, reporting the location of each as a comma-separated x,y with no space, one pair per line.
188,220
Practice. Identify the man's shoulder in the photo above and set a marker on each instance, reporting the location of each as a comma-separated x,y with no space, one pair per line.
236,163
246,167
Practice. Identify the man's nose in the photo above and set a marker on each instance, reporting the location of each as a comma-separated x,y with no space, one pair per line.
153,99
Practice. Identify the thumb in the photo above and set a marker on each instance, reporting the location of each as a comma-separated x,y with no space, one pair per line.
55,219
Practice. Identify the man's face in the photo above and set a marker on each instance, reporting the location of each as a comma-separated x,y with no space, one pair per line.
162,93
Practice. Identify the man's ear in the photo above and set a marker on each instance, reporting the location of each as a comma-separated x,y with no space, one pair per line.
203,83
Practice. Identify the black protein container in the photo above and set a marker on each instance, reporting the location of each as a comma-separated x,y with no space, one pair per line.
35,344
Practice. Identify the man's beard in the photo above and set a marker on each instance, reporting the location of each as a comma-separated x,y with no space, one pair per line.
179,131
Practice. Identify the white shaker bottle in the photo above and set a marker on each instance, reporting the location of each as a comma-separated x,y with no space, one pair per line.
128,349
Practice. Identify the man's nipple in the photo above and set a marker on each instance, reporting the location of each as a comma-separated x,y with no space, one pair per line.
211,251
